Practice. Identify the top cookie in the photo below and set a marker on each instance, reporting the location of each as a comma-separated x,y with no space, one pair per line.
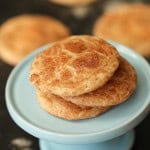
127,24
22,34
74,66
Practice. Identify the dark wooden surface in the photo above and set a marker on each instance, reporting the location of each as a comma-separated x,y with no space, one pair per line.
11,136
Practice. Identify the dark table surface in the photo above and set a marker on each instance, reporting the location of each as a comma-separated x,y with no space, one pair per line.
11,136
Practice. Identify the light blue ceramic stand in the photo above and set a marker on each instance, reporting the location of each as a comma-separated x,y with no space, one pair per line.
123,142
110,131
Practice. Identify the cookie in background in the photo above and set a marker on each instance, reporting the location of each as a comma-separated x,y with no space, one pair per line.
79,8
73,3
128,24
22,34
113,4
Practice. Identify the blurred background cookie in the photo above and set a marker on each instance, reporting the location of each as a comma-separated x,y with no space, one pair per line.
22,34
72,2
128,25
79,8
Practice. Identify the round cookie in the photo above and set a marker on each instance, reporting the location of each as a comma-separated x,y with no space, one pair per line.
59,107
74,66
115,91
72,2
22,34
127,24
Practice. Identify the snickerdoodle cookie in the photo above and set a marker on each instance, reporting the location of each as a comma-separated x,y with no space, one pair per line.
127,24
74,66
57,106
115,91
22,34
72,2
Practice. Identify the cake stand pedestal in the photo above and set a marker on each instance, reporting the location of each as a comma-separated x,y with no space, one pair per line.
123,142
112,130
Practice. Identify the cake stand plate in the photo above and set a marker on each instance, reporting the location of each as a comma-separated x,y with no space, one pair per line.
109,131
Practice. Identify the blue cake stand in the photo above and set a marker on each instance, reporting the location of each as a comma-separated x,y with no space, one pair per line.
111,131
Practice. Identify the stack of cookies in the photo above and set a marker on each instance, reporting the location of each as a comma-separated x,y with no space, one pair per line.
81,77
